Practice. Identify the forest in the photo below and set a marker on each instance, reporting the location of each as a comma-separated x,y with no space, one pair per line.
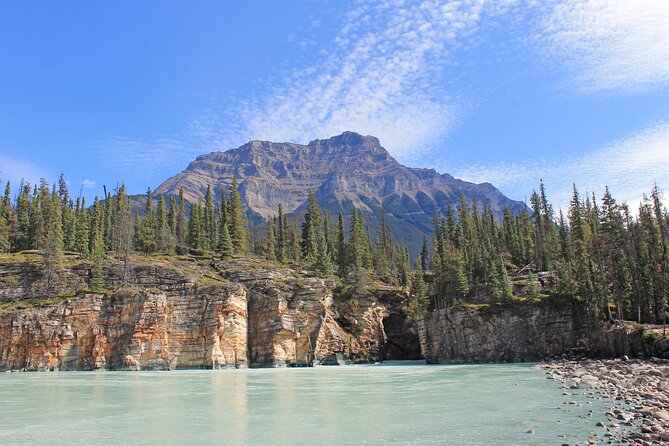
601,253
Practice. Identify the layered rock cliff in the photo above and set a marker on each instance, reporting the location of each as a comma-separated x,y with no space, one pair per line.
529,332
188,313
475,335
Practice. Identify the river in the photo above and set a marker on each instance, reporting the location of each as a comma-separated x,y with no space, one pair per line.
398,403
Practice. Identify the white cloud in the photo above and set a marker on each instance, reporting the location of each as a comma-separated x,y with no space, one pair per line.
629,167
16,170
620,45
138,157
86,183
381,78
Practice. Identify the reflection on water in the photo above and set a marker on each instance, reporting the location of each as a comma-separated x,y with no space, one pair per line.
380,404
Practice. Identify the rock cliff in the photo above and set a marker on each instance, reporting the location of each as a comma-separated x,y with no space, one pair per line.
189,313
529,332
475,335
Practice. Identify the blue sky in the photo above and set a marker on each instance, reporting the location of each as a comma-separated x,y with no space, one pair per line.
505,91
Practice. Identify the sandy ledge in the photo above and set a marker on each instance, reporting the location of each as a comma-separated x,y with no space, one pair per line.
637,392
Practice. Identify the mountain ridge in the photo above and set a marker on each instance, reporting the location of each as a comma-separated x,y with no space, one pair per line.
345,171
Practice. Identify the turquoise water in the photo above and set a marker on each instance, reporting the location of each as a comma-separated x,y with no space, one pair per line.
400,403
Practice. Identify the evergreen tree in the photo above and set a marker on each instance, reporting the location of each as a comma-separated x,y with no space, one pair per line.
617,281
164,234
82,228
282,236
225,246
147,228
270,241
209,222
311,228
322,264
238,224
384,249
424,255
342,259
52,243
181,226
196,233
5,211
97,248
122,235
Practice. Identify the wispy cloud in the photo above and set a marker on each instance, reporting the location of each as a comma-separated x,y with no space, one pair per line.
142,157
87,184
380,77
619,45
15,170
629,167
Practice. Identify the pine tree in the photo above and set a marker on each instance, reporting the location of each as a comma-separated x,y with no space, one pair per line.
270,241
311,228
403,266
424,255
164,234
147,228
238,224
225,246
209,222
617,286
418,299
181,226
322,264
341,253
581,266
384,247
122,235
52,244
97,249
82,228
5,211
196,234
282,236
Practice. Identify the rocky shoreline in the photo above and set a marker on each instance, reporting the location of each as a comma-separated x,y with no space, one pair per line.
636,392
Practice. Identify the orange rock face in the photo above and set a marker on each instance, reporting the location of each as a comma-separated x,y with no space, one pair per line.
261,319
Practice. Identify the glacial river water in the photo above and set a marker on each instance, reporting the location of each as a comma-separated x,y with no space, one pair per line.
385,404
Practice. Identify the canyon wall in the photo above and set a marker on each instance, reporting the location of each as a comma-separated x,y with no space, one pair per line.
191,314
491,335
530,332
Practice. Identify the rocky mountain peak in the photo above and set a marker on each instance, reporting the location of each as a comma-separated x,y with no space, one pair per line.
346,171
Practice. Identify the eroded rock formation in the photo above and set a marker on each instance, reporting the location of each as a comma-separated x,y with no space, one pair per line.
242,315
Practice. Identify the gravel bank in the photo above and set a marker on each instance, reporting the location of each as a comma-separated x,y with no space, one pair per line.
636,391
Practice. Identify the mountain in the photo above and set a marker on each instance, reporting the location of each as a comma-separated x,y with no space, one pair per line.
345,171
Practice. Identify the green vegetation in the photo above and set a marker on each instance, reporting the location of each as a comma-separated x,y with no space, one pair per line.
615,263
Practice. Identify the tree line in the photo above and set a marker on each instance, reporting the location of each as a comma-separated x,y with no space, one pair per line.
613,260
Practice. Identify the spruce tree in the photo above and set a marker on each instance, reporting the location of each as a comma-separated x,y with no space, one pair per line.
225,246
209,222
147,227
97,249
270,241
196,234
181,226
311,229
238,224
5,211
52,248
122,235
342,258
282,236
164,234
